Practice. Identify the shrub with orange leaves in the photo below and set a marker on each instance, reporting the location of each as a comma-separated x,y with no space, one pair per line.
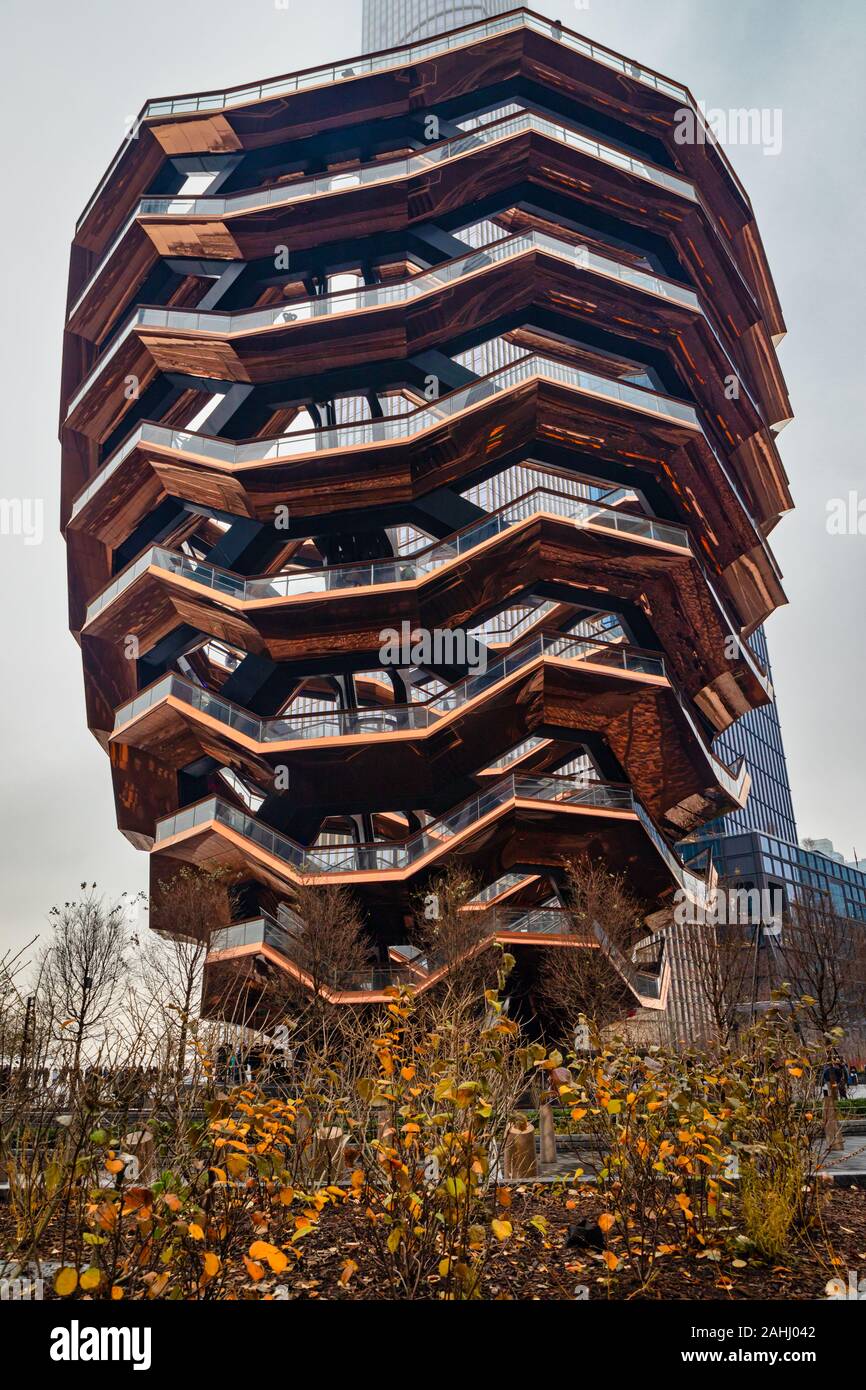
441,1091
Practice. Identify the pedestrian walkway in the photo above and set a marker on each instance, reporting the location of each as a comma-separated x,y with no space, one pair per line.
844,1168
848,1166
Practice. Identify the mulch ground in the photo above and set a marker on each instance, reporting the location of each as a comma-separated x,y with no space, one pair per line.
533,1265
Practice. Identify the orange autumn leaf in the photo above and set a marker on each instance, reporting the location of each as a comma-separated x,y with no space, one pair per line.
66,1281
136,1197
262,1250
610,1260
254,1269
605,1221
683,1202
349,1268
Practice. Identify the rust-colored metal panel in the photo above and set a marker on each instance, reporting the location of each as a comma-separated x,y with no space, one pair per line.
267,648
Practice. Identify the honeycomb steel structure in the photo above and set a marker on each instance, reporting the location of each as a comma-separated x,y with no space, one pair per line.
418,435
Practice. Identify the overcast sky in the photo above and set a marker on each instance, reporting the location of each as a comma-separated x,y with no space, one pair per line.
73,76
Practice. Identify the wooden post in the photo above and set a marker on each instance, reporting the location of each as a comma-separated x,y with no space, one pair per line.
520,1160
546,1133
139,1143
326,1155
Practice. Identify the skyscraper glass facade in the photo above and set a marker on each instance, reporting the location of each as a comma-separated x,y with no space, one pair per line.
752,860
389,23
758,738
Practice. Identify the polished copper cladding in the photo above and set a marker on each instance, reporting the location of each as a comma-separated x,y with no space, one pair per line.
419,424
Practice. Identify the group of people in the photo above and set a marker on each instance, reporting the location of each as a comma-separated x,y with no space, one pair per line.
838,1075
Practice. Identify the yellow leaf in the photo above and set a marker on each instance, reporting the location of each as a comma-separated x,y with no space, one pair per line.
444,1267
91,1279
195,1232
261,1250
211,1263
501,1229
65,1281
394,1239
605,1221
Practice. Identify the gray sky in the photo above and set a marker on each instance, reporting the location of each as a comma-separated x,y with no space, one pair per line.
73,75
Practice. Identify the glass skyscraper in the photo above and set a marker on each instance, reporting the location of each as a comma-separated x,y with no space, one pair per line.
388,23
758,738
757,847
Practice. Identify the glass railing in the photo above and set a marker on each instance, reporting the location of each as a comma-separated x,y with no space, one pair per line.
426,282
401,569
696,888
380,296
514,755
383,856
437,837
176,205
413,718
380,62
265,931
414,53
733,781
420,965
389,719
643,982
504,884
392,428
